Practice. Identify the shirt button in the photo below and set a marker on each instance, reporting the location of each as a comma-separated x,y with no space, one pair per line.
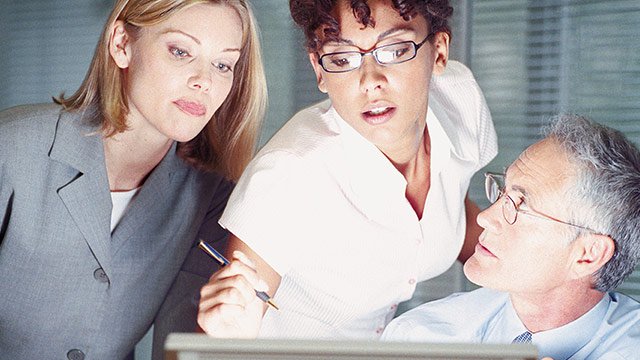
412,281
75,354
393,307
100,275
379,330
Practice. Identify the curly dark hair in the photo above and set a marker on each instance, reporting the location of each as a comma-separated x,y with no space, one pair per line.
312,15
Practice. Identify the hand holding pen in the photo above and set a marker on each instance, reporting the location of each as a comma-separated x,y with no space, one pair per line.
222,261
230,305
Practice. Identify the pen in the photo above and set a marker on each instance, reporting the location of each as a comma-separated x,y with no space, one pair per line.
223,262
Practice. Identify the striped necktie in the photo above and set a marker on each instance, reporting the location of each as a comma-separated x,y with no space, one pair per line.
524,338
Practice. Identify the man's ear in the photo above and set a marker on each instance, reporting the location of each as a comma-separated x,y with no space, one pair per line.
120,45
313,58
441,48
593,251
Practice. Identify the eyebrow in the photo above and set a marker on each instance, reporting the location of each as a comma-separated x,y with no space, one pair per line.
382,36
176,31
517,188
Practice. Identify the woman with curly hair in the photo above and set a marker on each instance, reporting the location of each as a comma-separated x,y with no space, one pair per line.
358,198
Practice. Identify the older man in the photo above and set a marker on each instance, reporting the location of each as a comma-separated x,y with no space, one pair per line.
563,231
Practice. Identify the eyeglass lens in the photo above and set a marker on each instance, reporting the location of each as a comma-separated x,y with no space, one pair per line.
509,210
492,188
387,54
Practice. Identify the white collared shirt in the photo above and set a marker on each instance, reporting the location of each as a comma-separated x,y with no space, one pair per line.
327,210
610,330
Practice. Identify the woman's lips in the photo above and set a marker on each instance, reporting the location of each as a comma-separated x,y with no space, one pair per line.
191,108
378,115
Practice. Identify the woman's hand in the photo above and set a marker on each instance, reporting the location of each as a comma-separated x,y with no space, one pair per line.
229,307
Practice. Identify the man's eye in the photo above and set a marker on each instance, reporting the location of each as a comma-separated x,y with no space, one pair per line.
520,203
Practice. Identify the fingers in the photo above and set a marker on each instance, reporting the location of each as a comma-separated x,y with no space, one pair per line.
228,305
232,284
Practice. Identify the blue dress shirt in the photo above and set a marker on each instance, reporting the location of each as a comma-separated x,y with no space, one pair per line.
610,330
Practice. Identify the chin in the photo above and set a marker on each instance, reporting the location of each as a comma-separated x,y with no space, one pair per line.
474,272
184,135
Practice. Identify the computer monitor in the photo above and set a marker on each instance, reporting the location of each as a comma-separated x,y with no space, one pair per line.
201,347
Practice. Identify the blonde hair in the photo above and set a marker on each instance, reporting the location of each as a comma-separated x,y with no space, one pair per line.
228,141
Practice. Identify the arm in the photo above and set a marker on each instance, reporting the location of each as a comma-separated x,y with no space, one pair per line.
473,230
266,272
228,303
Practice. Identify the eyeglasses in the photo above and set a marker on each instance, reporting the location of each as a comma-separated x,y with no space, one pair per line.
396,53
494,186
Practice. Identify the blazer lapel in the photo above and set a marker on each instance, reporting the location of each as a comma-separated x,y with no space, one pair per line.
78,144
152,195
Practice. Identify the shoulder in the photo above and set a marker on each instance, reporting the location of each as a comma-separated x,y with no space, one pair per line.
624,310
459,104
28,117
310,132
460,303
619,332
303,149
28,128
455,318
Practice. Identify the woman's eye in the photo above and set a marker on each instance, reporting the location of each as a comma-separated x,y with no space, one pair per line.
223,68
399,53
340,62
179,53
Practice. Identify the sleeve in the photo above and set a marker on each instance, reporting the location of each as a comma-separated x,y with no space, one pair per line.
267,208
179,310
210,230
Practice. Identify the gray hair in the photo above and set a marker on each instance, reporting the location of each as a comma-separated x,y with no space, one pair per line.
608,185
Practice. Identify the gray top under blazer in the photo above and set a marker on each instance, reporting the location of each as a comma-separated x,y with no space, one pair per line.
68,287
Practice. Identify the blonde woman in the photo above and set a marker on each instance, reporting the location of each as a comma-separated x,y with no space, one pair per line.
104,194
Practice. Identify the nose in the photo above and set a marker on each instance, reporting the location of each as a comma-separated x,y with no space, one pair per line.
372,76
200,79
491,218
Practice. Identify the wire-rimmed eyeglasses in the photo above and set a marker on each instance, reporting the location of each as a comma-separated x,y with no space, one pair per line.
396,53
494,186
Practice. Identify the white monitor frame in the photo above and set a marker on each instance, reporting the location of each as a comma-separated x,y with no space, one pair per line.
202,347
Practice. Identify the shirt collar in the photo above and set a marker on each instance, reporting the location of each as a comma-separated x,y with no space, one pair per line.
562,342
374,179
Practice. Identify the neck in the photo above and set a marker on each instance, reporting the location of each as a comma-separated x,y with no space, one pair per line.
414,165
130,158
546,311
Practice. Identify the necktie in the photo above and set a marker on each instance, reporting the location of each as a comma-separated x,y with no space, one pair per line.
524,338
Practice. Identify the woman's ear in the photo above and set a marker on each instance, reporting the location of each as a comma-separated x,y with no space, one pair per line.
119,44
441,48
593,251
317,69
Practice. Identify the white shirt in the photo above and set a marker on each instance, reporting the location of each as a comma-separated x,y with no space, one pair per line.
327,210
120,201
610,330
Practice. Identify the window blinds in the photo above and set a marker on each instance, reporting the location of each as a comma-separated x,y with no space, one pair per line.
47,47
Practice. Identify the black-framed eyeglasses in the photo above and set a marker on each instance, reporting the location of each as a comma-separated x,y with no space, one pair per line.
396,53
494,186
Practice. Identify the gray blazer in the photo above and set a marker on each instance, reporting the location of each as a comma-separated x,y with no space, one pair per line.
68,287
